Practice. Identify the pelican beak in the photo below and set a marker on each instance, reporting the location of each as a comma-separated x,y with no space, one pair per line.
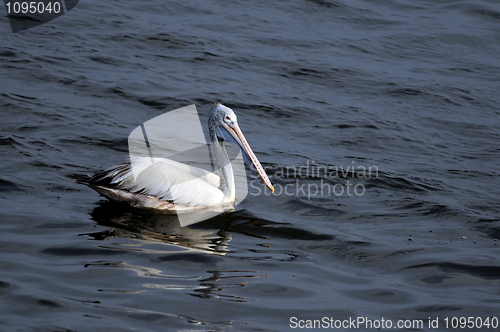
235,131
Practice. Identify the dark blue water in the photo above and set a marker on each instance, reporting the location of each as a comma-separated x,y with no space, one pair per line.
408,88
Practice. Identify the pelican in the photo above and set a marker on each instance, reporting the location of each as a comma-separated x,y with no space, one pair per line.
176,187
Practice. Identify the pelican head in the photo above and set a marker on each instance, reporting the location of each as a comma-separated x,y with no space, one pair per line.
225,124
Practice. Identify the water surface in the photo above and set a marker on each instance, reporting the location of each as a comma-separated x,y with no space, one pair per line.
407,87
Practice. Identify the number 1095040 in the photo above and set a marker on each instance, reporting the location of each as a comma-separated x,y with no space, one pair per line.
33,7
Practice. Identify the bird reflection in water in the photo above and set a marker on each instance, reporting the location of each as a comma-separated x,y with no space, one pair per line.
221,281
213,238
124,222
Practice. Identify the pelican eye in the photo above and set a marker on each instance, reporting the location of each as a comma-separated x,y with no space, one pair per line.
228,118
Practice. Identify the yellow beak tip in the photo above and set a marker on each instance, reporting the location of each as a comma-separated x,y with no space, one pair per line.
272,189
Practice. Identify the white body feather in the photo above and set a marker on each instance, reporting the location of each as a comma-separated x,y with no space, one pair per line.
169,180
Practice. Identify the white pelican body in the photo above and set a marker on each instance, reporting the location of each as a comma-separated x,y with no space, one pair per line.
175,187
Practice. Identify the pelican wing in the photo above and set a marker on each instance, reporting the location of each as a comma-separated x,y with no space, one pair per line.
139,164
164,179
